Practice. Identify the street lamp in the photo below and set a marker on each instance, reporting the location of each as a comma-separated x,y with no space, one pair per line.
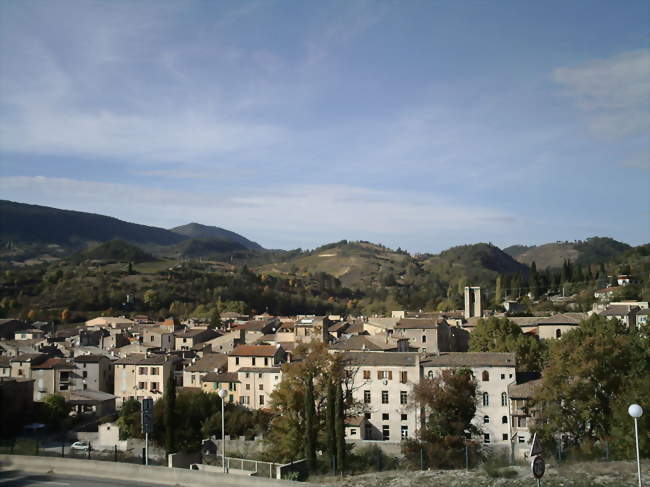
636,412
222,394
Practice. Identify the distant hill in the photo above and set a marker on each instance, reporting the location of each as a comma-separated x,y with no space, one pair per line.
20,222
591,251
117,250
198,231
195,248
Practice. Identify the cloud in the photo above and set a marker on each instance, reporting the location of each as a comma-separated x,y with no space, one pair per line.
614,91
297,215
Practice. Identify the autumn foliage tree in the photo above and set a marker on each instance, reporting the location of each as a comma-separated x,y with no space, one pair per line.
448,405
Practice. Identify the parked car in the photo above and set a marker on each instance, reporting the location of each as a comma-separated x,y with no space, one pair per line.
80,445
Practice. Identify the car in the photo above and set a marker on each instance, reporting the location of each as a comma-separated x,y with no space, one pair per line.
80,445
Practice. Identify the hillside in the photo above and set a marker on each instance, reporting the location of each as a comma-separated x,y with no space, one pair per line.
355,264
20,222
198,231
591,251
117,250
205,247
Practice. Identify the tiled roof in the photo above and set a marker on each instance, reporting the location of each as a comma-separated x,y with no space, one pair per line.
387,359
524,390
224,377
255,370
386,323
4,361
254,351
29,357
417,323
563,319
362,342
209,362
470,359
91,358
355,421
616,311
141,359
54,363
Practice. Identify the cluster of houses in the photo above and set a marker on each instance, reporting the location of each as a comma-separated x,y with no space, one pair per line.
108,360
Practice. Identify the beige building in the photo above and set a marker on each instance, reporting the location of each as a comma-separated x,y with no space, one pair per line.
494,373
110,322
380,326
522,415
383,383
425,335
213,382
255,356
188,339
158,337
138,376
30,334
210,362
312,328
53,376
256,385
94,372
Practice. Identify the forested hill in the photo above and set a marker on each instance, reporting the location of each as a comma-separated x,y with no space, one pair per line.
593,250
203,232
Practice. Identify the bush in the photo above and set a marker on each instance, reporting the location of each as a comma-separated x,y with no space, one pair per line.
371,458
498,466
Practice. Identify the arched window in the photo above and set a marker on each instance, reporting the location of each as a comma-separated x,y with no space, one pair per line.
486,399
430,374
504,399
486,419
558,333
486,376
504,419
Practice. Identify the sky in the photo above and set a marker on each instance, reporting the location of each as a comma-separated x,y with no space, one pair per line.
418,124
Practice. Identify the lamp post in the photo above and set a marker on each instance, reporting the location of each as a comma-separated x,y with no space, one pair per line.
636,412
222,394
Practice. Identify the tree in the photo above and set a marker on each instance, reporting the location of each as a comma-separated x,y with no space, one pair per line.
587,370
330,426
55,410
502,335
310,427
151,299
170,414
339,427
129,419
498,294
448,406
65,315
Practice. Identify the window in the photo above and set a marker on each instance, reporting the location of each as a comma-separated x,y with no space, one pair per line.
243,400
253,361
152,338
384,417
385,432
424,339
353,432
366,374
403,397
154,371
504,419
504,436
384,397
261,387
405,417
261,400
248,387
259,376
521,439
142,385
521,422
503,376
236,360
154,386
404,431
504,399
486,399
266,361
486,419
84,374
509,376
558,333
142,370
485,376
430,374
403,377
231,398
486,438
366,397
63,387
248,375
368,415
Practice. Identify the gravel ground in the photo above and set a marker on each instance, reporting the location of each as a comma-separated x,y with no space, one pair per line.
585,474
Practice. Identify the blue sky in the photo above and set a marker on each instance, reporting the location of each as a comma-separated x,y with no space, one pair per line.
414,124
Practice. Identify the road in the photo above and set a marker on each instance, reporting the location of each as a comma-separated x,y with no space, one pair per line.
17,478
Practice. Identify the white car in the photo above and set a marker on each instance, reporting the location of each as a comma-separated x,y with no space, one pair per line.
80,445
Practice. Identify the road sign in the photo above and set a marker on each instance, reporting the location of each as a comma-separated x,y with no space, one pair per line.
538,467
536,447
147,415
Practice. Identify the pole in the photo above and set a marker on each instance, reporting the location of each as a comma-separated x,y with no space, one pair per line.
466,456
223,436
421,459
146,448
638,457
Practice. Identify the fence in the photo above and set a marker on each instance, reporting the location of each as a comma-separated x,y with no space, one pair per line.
257,468
43,448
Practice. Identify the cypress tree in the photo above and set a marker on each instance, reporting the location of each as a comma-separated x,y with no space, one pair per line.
497,292
170,413
340,428
330,424
310,430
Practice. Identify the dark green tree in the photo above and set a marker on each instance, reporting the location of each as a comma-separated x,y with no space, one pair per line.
310,423
339,412
330,425
170,414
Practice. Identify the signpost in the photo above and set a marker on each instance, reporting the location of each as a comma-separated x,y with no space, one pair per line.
537,465
147,424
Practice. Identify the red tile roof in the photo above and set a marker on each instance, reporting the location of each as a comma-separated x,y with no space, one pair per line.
254,350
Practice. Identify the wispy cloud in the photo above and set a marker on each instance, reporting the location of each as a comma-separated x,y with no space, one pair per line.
313,213
614,91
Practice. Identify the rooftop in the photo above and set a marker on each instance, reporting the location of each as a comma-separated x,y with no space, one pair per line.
209,362
255,350
386,359
470,359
